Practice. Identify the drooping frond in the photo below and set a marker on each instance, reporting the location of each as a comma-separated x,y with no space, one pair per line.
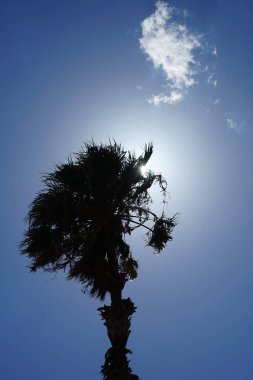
161,233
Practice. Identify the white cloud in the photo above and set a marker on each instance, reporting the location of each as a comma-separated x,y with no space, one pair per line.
170,46
217,101
212,81
231,123
215,53
173,98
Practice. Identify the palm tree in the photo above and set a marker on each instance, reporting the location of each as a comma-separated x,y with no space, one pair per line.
79,223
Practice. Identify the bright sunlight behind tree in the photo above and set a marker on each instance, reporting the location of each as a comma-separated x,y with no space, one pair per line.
79,223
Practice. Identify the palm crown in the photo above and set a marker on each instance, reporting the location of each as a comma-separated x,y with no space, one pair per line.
79,221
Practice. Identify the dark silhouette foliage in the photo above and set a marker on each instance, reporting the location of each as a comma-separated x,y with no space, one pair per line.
80,220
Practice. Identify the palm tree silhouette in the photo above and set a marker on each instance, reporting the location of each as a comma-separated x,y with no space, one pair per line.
79,223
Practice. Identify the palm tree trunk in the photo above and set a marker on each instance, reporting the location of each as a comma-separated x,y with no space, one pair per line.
117,319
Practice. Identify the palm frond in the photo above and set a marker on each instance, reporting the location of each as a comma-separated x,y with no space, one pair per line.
79,221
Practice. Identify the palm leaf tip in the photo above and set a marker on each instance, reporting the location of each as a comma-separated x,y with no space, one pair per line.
148,151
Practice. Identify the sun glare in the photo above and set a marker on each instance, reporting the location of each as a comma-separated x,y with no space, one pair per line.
144,169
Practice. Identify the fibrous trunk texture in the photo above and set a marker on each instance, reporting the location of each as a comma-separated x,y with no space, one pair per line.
117,319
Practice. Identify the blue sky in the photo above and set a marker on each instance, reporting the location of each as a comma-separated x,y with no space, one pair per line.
178,74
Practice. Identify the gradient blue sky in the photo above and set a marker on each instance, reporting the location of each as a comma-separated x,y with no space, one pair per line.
72,70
